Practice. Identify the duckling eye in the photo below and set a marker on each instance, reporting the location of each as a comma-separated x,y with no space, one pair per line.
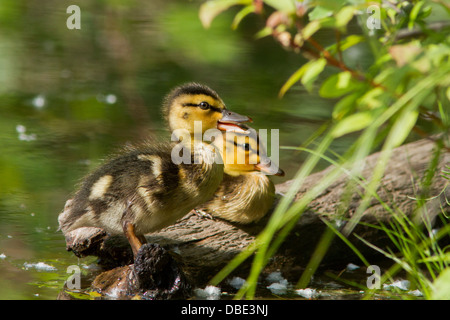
204,105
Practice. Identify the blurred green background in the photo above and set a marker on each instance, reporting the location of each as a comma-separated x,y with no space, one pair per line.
68,98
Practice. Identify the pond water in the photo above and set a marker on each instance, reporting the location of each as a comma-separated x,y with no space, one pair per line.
68,98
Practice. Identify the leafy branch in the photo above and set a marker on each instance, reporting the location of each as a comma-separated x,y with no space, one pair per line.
408,79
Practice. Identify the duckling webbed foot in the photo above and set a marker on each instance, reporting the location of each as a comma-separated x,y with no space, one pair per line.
133,239
136,241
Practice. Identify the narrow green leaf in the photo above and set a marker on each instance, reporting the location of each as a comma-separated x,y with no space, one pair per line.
292,80
347,242
306,73
372,98
241,15
310,29
287,6
210,9
335,5
344,16
414,13
345,105
346,43
352,123
319,12
313,69
267,31
350,41
343,80
403,126
333,87
391,13
438,54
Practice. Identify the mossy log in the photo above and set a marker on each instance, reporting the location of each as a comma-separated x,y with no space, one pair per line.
207,245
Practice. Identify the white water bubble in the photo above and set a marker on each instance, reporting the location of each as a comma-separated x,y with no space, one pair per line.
236,282
111,98
39,101
278,288
279,285
40,266
352,267
209,293
400,284
21,128
23,136
275,277
307,293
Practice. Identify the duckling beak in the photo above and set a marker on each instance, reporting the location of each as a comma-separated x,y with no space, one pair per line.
266,167
231,122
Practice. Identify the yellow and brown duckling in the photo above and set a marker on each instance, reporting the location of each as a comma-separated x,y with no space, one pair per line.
143,190
246,193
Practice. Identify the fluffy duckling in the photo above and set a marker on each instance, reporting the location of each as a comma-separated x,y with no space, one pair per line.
143,189
246,193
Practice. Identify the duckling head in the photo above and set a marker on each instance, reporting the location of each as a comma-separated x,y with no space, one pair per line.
244,154
192,102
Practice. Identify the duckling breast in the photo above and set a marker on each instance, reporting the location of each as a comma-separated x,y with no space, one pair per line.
242,199
203,176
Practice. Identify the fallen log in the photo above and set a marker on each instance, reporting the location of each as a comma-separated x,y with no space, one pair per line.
205,246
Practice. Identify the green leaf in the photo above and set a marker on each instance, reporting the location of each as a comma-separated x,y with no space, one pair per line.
287,6
329,22
306,73
343,80
414,13
313,69
345,105
352,123
334,87
310,29
319,12
438,53
346,43
391,13
292,80
241,15
334,5
403,126
210,9
350,41
344,16
267,31
371,99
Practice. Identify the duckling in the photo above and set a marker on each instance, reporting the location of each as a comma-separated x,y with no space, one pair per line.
246,193
143,190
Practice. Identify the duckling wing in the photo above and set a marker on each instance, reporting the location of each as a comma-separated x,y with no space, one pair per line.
144,178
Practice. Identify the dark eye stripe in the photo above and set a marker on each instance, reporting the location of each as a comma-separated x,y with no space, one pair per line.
246,148
190,105
215,109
